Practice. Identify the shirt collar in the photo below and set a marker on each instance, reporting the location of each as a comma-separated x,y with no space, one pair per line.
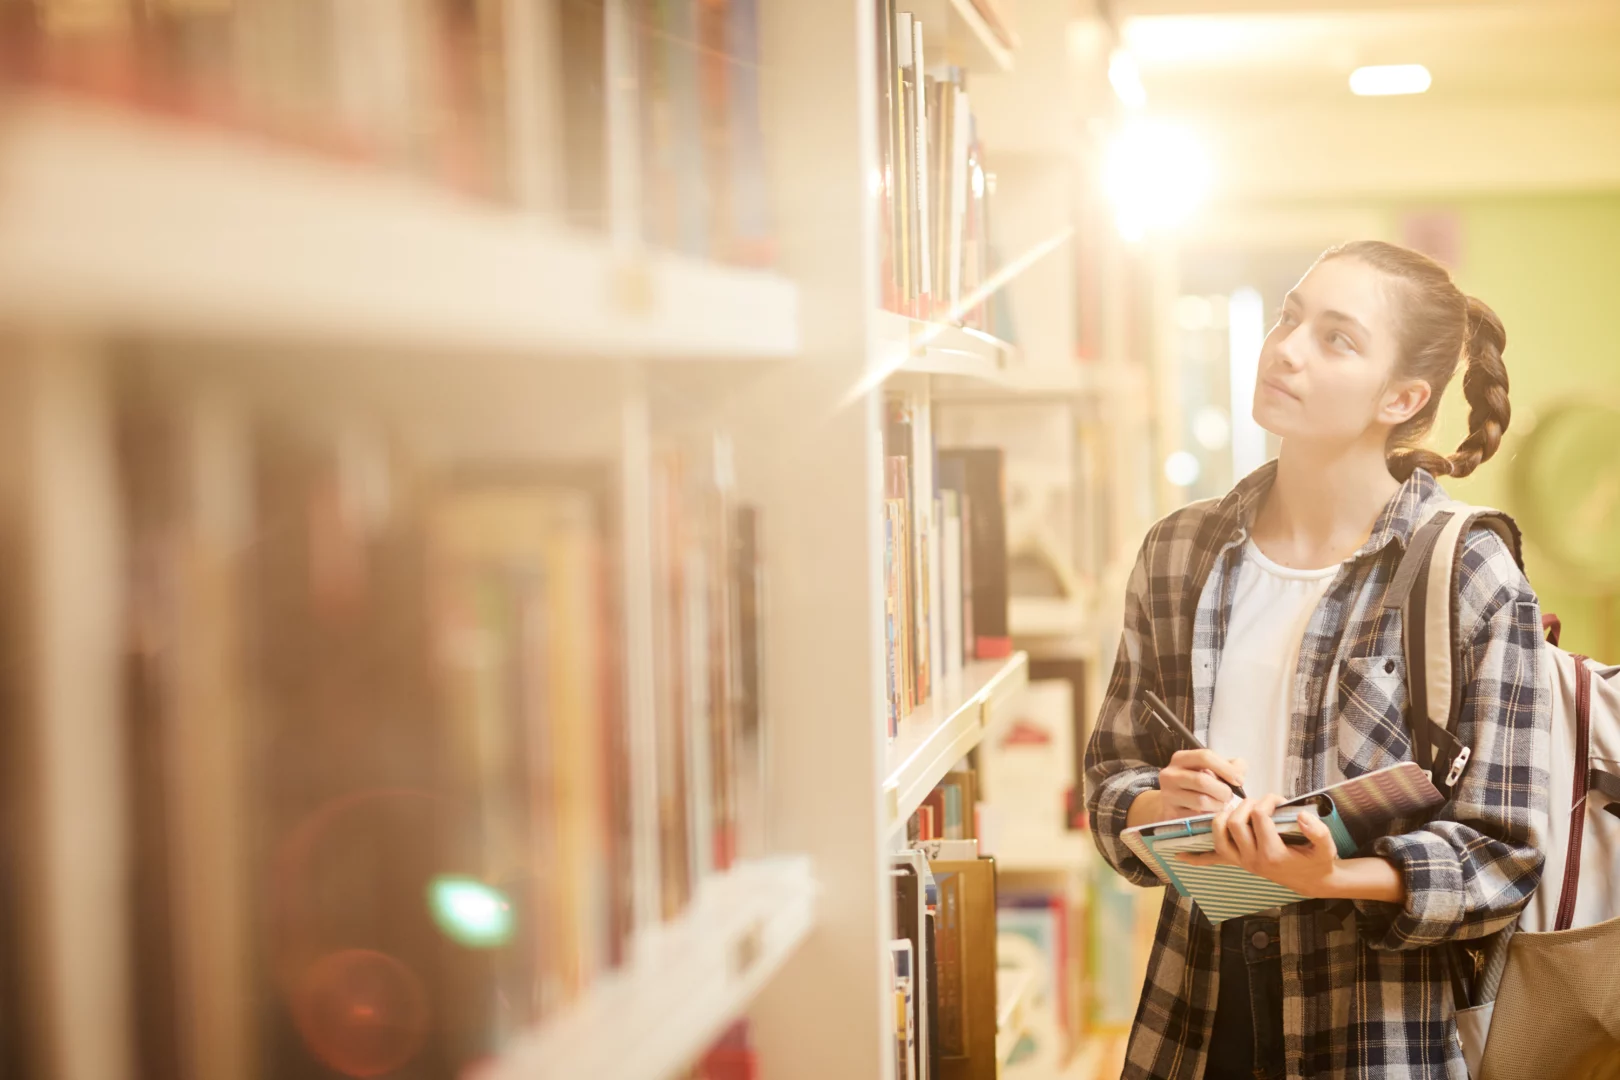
1395,524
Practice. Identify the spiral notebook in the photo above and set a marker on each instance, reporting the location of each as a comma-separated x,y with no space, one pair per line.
1350,808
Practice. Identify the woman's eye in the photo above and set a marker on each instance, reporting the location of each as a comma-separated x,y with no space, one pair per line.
1341,340
1287,318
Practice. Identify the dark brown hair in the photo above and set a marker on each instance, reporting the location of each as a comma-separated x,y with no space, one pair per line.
1440,325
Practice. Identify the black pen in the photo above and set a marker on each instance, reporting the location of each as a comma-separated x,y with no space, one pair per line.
1167,719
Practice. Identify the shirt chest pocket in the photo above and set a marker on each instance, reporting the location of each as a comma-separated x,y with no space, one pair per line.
1372,728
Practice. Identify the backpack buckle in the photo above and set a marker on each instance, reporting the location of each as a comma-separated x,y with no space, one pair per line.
1458,763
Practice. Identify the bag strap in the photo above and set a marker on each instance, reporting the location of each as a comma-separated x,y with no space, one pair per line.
1578,791
1424,590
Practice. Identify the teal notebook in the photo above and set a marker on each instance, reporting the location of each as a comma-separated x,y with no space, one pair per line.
1227,892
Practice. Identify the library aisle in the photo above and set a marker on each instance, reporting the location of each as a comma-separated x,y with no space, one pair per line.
563,538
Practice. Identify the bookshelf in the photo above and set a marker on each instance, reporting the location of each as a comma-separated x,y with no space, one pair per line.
940,732
692,978
261,241
493,332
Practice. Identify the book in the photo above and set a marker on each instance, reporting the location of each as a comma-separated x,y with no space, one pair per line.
903,985
912,882
979,470
747,236
966,947
951,621
1350,809
922,210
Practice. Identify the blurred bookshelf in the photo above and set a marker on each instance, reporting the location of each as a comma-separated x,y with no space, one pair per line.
259,240
521,543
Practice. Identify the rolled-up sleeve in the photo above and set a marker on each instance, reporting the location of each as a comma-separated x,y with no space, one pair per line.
1473,867
1119,755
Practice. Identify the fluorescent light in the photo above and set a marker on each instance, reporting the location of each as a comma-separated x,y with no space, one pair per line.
1126,80
1384,80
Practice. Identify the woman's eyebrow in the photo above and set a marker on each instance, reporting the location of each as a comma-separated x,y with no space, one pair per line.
1292,298
1354,323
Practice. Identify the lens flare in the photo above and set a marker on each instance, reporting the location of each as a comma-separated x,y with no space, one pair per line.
469,912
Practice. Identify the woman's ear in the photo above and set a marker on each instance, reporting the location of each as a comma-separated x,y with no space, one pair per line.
1403,400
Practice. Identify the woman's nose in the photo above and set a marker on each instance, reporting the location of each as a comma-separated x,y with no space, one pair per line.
1288,349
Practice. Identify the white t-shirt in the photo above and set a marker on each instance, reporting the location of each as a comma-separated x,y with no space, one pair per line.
1254,688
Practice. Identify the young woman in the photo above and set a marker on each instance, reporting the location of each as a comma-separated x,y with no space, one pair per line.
1259,618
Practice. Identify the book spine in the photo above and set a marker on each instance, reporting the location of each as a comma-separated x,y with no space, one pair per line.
960,115
906,161
715,77
923,215
656,134
951,572
582,52
889,239
752,750
752,242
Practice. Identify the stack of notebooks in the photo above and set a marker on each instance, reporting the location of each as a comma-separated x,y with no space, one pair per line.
1350,809
944,557
943,957
377,729
504,99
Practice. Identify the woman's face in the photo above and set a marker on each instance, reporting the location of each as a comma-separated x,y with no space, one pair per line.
1327,366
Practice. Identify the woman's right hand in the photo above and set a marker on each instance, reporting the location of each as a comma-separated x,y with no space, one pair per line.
1198,782
1195,782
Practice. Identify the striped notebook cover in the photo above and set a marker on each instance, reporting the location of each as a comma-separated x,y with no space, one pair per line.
1226,892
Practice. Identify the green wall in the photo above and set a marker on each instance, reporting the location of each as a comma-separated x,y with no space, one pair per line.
1550,267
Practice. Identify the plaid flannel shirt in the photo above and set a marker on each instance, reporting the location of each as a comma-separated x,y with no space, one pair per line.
1365,991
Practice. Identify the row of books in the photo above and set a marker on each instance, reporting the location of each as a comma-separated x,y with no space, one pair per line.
382,808
506,99
702,146
935,192
944,557
707,669
943,956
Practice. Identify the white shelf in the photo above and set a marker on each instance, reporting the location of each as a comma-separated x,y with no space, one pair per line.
953,30
913,347
685,985
936,735
128,223
1012,994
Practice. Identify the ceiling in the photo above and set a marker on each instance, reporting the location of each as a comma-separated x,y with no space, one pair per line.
1525,96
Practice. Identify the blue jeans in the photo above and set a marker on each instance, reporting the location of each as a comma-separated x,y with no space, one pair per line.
1247,1043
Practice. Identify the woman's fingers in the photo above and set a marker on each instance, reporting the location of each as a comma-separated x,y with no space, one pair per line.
1228,771
1316,831
1241,832
1194,782
1219,832
1267,840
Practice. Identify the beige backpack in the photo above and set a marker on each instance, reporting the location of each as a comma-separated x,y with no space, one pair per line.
1542,997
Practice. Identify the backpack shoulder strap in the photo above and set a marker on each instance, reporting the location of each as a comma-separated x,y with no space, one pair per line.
1424,589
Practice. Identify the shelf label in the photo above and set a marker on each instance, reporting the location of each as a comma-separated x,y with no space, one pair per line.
747,949
630,285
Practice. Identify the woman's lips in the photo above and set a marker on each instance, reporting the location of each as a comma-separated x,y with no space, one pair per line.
1277,387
